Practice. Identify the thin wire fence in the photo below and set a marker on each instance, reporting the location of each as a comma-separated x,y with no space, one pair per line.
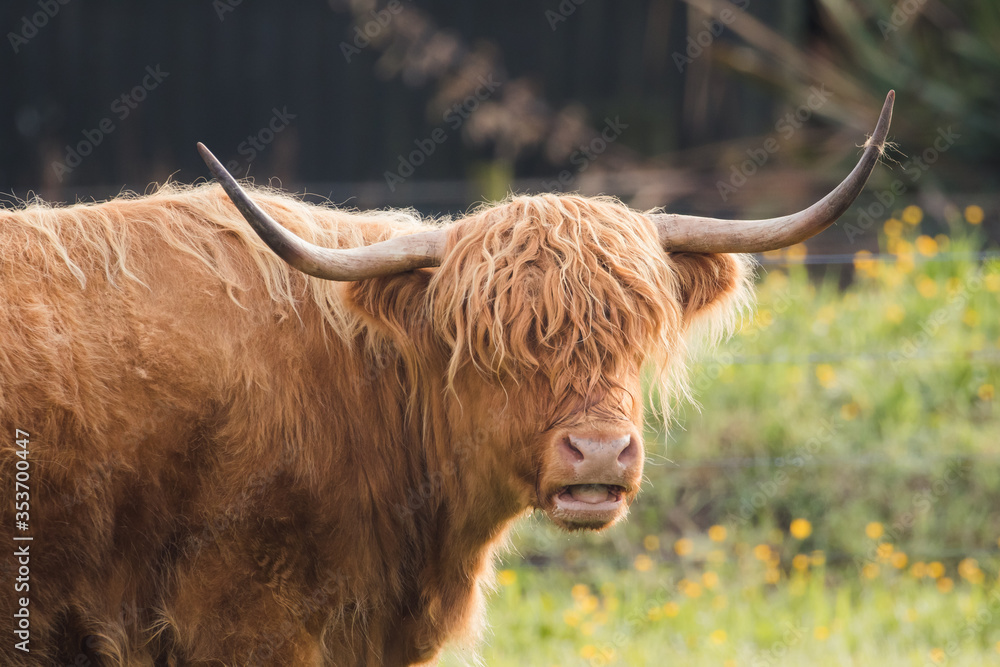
850,258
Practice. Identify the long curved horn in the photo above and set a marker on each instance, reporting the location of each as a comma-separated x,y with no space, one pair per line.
688,233
403,253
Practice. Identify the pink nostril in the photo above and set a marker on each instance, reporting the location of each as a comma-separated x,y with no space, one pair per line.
571,450
627,456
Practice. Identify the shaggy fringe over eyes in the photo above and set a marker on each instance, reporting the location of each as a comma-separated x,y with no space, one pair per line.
575,288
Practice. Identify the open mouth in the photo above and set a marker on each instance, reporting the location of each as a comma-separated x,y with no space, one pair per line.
587,505
589,495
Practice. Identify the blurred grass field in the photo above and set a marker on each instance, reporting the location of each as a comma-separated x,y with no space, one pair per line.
832,502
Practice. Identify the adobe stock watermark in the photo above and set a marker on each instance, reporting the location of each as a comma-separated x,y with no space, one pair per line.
370,29
455,116
121,108
587,153
32,23
223,7
920,506
628,627
914,170
562,12
902,13
699,42
785,127
799,457
955,306
975,625
256,143
777,652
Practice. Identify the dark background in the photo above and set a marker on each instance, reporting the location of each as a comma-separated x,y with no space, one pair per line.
564,68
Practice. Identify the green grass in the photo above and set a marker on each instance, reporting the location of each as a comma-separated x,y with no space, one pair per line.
650,618
869,414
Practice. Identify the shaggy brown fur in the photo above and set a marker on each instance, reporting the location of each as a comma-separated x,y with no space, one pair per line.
235,464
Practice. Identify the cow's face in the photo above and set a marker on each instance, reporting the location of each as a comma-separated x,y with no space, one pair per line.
539,317
544,312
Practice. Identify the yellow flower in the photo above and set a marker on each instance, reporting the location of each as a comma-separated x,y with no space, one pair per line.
507,577
884,551
580,591
927,287
717,533
850,411
973,214
926,246
796,253
937,655
683,546
870,571
895,313
643,563
572,618
822,633
826,314
826,375
651,543
971,317
589,604
893,227
904,265
992,282
986,393
588,652
918,570
772,575
874,530
691,589
655,614
899,560
800,529
900,247
912,215
945,584
671,609
718,637
762,552
710,579
935,569
969,570
863,263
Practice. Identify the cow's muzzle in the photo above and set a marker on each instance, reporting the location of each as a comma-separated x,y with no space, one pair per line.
595,476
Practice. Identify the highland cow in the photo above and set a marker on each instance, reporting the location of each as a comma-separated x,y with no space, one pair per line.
231,462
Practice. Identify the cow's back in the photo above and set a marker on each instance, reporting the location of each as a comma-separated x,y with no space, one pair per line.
131,332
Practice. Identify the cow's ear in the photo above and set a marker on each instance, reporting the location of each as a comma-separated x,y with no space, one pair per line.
713,288
396,305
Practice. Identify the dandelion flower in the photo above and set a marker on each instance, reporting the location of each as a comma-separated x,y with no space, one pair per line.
800,529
